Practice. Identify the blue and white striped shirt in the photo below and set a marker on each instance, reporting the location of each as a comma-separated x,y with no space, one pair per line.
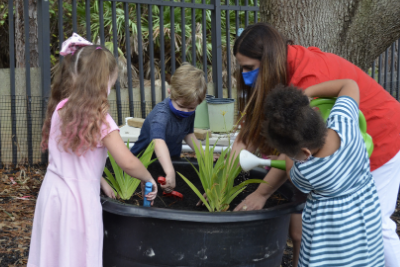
341,219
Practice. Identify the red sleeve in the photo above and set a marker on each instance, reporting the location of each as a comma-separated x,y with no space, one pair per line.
306,81
306,66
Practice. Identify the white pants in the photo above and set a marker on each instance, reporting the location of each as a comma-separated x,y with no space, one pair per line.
387,180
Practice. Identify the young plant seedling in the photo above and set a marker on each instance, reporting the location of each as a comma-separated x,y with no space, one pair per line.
123,184
218,180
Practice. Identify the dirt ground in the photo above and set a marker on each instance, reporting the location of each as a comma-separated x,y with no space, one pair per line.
18,192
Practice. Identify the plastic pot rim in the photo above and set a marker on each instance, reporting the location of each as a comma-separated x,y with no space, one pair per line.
115,207
220,100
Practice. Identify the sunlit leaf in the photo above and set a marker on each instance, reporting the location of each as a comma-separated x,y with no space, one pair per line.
124,184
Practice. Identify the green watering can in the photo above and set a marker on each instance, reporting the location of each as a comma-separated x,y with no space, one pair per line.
249,161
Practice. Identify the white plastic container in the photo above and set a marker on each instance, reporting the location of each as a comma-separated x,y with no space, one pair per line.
218,108
128,132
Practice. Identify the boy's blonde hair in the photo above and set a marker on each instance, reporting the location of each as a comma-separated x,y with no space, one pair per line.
188,85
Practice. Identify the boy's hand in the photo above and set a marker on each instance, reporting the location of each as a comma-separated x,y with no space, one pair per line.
169,185
162,153
108,191
216,157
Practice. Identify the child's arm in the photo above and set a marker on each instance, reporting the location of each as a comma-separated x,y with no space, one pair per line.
163,156
191,140
128,162
335,88
289,165
108,191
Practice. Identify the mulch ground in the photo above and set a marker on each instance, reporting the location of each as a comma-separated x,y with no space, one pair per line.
18,192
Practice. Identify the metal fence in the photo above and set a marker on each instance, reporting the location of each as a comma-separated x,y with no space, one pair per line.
386,69
176,10
198,31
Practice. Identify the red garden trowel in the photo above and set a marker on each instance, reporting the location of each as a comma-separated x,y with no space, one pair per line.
175,194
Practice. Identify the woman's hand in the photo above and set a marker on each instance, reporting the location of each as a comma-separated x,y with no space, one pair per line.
201,202
254,201
107,189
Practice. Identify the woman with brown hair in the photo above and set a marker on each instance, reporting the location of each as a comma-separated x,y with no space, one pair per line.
267,59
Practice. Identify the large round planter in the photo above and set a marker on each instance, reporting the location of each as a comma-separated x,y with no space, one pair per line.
144,237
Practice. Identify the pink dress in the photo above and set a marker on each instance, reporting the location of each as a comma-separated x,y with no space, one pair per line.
68,225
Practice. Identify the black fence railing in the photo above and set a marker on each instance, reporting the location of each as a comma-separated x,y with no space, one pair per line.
386,69
195,33
150,39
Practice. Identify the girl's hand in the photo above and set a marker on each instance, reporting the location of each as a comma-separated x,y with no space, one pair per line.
169,185
153,194
335,88
107,189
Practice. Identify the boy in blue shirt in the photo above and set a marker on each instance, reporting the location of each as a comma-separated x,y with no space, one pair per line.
172,120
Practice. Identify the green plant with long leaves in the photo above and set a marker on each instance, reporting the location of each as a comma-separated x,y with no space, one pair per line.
123,184
217,180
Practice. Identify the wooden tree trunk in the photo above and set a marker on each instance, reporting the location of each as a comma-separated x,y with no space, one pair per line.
20,34
358,30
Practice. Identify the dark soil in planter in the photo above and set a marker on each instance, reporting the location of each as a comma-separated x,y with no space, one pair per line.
190,199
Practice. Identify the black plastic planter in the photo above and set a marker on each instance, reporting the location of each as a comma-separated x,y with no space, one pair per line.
144,237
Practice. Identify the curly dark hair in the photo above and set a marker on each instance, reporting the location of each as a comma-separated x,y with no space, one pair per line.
290,123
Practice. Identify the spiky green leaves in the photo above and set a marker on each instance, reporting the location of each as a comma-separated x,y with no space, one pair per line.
217,180
123,184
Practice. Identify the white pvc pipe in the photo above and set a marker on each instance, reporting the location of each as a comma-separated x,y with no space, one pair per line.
218,149
186,148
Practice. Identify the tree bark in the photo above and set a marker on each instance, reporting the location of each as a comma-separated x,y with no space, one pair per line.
358,30
20,34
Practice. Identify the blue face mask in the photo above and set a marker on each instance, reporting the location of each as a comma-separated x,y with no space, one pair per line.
179,113
250,77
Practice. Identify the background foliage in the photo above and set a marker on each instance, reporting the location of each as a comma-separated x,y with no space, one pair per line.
133,31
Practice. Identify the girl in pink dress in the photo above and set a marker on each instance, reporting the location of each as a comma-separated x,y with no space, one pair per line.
68,226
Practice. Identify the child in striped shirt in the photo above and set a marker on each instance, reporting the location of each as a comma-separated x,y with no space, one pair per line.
329,161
